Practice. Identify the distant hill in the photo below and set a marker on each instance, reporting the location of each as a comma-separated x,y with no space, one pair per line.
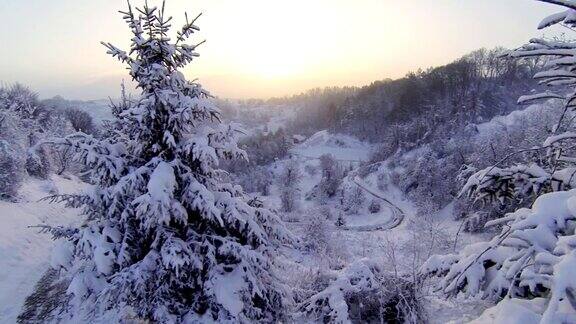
98,109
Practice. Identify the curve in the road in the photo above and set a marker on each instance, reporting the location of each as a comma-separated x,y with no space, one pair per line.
397,213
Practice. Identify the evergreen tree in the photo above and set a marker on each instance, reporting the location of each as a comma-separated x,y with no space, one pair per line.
165,237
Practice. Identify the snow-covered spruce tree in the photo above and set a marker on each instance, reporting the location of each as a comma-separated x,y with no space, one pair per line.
535,253
165,238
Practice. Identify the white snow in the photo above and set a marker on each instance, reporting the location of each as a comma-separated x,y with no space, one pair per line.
513,119
560,137
227,291
342,147
538,96
25,253
162,181
513,311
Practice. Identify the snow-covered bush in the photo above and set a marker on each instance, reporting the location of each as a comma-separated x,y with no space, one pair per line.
263,148
19,109
37,163
375,206
25,124
316,233
330,305
290,198
21,100
10,171
353,198
363,292
166,238
320,239
331,175
12,143
424,178
307,281
80,120
61,159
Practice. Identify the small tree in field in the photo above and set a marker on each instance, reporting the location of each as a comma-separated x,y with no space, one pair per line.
331,175
289,183
165,238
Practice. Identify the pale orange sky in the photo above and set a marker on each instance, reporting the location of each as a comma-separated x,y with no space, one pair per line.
259,48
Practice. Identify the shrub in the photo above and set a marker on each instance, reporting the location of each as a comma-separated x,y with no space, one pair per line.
10,171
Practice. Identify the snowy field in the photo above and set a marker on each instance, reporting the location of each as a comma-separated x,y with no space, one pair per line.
24,252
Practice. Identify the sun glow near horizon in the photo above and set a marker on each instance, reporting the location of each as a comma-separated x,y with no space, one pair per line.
259,48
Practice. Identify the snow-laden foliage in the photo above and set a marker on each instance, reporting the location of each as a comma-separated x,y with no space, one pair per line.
535,253
363,292
533,256
330,304
20,100
502,184
165,237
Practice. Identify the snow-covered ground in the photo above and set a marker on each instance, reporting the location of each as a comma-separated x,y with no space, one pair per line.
24,252
342,147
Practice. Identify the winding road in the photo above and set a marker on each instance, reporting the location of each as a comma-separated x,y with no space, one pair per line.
397,213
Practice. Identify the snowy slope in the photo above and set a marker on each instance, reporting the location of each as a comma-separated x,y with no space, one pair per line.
531,114
263,118
342,147
25,253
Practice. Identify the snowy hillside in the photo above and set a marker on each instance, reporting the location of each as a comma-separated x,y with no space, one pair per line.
24,252
342,147
98,109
